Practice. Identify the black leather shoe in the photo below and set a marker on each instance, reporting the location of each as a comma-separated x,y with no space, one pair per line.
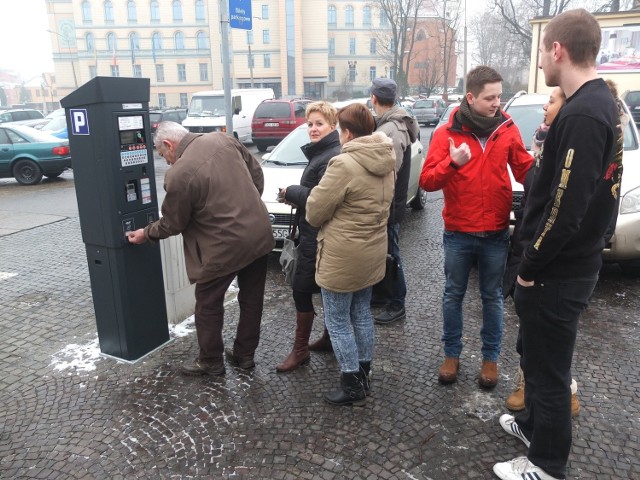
197,367
240,362
390,315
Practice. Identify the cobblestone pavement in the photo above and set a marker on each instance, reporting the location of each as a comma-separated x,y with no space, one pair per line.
148,421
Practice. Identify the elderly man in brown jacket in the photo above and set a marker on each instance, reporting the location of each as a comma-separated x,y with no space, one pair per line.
213,199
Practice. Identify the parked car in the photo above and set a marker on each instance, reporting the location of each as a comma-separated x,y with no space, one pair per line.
166,115
429,110
632,99
444,119
26,116
624,246
275,119
56,126
284,166
27,154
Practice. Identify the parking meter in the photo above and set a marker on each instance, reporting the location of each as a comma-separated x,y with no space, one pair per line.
112,160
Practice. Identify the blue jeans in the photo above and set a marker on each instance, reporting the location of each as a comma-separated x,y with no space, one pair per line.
460,252
348,319
549,313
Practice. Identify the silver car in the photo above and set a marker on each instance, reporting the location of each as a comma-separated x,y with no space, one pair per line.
429,110
624,246
284,166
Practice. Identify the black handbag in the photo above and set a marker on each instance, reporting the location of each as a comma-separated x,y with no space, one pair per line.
384,288
289,255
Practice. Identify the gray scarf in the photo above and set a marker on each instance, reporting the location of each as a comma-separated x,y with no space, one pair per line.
479,125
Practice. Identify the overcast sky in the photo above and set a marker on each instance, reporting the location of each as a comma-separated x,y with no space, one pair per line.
25,44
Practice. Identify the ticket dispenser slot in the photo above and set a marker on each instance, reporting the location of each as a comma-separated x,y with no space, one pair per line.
115,184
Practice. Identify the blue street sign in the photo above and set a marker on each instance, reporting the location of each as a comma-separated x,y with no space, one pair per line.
79,121
240,14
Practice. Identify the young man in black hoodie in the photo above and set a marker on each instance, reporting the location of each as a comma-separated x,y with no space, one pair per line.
569,207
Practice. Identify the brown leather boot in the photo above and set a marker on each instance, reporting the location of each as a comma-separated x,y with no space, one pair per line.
488,374
300,353
515,401
449,370
323,344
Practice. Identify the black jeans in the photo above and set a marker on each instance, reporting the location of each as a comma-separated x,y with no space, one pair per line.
209,317
549,313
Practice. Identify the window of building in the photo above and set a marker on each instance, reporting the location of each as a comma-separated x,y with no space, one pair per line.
265,12
182,72
332,16
421,35
132,12
384,20
108,11
159,73
137,71
332,74
93,71
352,73
249,37
111,42
184,100
366,17
348,16
200,16
352,46
372,73
266,59
201,41
115,71
134,41
204,72
177,11
162,100
266,37
373,47
178,40
90,42
156,41
86,12
155,11
332,46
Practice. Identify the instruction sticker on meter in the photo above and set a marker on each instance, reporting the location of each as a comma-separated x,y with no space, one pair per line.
132,122
145,190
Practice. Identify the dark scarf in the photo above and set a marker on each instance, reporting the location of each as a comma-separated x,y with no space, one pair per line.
481,126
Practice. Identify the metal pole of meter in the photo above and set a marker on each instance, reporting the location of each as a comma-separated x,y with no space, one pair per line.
226,69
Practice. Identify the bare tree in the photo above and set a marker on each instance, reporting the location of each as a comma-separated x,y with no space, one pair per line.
430,74
397,43
450,16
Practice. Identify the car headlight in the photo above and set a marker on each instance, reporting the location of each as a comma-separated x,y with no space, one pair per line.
630,202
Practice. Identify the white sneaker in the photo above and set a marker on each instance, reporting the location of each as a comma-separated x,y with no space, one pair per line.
510,426
520,469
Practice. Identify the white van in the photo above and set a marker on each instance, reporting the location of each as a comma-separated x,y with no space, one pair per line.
207,114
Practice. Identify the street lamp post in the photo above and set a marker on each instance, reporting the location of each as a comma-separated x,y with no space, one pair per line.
250,64
73,67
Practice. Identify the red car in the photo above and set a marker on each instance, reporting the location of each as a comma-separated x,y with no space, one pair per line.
275,119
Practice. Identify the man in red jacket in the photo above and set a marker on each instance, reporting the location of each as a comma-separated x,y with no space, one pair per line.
467,160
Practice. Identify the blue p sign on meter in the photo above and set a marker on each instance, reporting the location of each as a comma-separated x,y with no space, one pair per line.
79,121
240,14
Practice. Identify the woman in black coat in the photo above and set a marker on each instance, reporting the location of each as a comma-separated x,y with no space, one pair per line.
322,120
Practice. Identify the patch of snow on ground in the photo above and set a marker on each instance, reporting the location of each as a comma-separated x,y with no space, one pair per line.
82,358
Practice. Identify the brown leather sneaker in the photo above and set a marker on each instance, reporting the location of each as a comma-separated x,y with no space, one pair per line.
488,374
515,401
449,370
575,405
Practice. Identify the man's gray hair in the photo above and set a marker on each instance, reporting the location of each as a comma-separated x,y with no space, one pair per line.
171,131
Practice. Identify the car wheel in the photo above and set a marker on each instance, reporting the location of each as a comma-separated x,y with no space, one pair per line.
53,175
27,172
630,267
261,147
419,201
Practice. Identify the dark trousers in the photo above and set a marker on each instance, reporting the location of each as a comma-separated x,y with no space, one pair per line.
549,313
210,312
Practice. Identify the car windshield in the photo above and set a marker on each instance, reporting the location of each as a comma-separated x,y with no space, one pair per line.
288,150
57,123
155,117
527,118
206,106
425,104
272,110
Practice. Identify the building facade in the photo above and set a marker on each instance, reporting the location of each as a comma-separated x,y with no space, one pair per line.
310,48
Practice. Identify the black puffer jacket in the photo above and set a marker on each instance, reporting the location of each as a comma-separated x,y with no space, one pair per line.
319,155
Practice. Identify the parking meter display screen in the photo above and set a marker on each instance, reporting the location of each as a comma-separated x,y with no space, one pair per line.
133,145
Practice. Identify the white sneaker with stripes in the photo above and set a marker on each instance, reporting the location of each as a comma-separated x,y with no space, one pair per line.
508,423
520,469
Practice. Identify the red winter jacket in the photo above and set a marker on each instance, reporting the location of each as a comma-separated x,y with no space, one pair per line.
477,196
